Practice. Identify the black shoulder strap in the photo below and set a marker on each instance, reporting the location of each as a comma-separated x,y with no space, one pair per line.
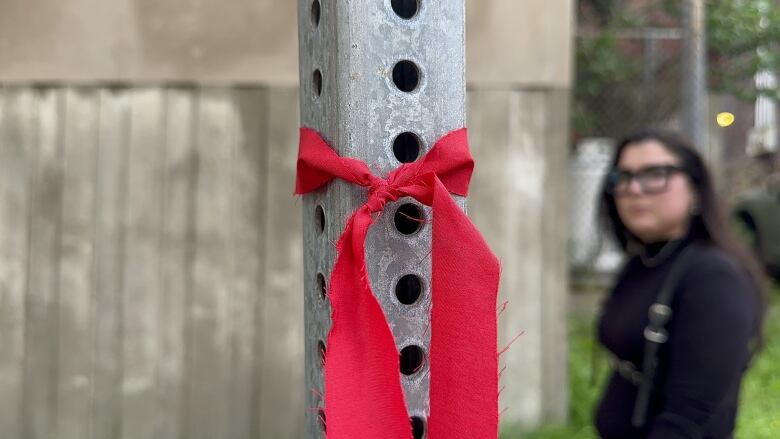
655,334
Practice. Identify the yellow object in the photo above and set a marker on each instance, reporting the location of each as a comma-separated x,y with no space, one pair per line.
725,119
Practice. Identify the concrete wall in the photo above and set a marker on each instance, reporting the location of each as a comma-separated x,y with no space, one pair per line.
519,56
526,43
519,203
150,263
509,42
520,69
140,40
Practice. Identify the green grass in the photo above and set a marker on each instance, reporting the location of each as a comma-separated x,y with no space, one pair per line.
759,416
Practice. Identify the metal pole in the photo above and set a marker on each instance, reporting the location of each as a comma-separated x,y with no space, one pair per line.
694,84
381,80
648,80
766,108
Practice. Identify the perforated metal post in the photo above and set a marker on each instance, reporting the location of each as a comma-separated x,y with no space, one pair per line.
381,80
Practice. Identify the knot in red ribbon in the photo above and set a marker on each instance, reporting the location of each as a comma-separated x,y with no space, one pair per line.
363,394
380,193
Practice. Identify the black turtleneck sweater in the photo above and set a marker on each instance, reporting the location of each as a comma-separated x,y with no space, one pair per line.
701,366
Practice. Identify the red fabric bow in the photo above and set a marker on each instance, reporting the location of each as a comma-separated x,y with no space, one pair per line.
363,394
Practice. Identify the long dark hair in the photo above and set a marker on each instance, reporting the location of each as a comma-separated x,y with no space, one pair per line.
709,225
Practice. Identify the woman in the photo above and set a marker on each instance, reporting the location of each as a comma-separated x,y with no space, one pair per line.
659,203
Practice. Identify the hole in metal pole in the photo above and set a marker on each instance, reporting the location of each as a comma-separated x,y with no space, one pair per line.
408,289
408,218
405,8
321,351
319,219
411,359
406,76
321,286
315,13
406,147
418,427
317,78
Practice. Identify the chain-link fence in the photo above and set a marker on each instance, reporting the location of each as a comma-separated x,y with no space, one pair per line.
593,257
671,65
630,67
628,76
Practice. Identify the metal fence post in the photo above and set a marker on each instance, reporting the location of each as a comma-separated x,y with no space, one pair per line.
694,62
381,80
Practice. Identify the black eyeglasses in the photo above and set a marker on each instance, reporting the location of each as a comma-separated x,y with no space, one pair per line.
651,179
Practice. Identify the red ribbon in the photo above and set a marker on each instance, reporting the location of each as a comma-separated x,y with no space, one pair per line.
363,394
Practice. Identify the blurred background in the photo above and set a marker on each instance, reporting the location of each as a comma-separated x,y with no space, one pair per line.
151,279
